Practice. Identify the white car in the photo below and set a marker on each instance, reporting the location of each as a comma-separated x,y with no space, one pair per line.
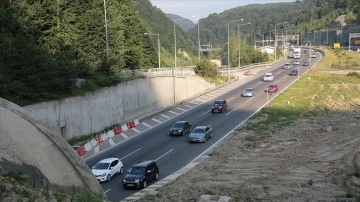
105,169
287,66
296,62
268,77
249,92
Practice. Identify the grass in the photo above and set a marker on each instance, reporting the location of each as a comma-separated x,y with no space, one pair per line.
310,95
338,59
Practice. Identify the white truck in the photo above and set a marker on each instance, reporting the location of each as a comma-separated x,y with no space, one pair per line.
297,52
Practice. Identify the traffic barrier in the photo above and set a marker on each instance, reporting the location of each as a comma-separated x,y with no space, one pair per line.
136,121
93,143
98,139
81,151
124,128
131,124
111,133
88,146
117,130
104,137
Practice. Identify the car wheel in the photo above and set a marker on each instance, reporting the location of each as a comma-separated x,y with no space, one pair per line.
157,176
108,177
211,135
121,170
144,184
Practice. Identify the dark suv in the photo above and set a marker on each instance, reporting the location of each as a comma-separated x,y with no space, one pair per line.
219,106
140,174
180,128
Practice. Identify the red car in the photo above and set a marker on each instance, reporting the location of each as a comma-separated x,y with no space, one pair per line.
272,89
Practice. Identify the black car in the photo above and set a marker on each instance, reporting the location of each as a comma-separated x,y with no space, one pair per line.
293,72
306,63
219,106
140,174
180,128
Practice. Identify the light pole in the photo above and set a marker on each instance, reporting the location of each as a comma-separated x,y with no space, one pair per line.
229,45
310,54
158,37
198,36
240,38
106,34
276,39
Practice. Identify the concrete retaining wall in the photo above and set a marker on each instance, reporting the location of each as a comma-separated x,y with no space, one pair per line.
130,100
27,146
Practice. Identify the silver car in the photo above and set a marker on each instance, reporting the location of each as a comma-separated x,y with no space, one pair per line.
201,134
249,92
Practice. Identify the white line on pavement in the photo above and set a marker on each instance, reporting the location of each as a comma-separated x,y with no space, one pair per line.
111,141
156,120
188,106
230,111
124,135
2,169
173,112
107,191
180,109
230,98
147,125
165,116
164,154
136,130
206,112
131,153
96,149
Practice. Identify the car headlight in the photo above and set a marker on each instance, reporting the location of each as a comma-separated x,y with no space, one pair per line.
137,180
179,130
102,175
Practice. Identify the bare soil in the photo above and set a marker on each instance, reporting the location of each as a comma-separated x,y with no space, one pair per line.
314,159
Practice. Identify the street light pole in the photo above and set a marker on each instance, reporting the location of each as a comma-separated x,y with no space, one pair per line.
106,34
229,46
276,39
158,38
199,39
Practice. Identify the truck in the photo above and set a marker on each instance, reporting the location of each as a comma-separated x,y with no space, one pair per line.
297,52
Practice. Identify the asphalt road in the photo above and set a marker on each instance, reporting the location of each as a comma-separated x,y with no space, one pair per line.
173,153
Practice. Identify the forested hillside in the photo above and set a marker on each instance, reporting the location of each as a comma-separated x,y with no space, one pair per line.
306,15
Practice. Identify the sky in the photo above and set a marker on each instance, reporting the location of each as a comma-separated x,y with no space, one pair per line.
197,9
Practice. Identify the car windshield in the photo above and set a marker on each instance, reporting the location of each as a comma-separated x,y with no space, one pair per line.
218,102
101,166
287,64
137,170
248,90
198,130
271,86
178,125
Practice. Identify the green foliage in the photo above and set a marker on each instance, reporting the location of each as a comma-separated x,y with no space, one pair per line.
206,68
18,176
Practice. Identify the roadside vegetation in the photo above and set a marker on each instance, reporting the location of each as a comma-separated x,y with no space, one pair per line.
16,186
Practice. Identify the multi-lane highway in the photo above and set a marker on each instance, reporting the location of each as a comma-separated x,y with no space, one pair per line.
173,153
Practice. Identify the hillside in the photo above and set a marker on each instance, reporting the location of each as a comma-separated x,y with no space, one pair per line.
185,24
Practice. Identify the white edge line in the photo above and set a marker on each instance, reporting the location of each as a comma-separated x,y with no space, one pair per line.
130,153
107,191
164,154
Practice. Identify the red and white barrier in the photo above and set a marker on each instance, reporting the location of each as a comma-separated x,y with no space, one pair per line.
88,146
124,128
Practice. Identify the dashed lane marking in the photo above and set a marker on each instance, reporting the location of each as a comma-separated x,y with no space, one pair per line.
188,106
147,125
206,112
164,154
107,191
130,154
165,116
156,120
111,141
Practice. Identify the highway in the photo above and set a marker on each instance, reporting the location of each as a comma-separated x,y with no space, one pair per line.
173,153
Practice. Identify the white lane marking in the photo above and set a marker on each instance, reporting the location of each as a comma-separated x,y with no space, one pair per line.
130,153
180,109
2,169
147,125
156,120
107,191
230,111
206,112
230,98
201,100
164,154
173,112
165,116
111,141
188,106
96,149
124,135
136,130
